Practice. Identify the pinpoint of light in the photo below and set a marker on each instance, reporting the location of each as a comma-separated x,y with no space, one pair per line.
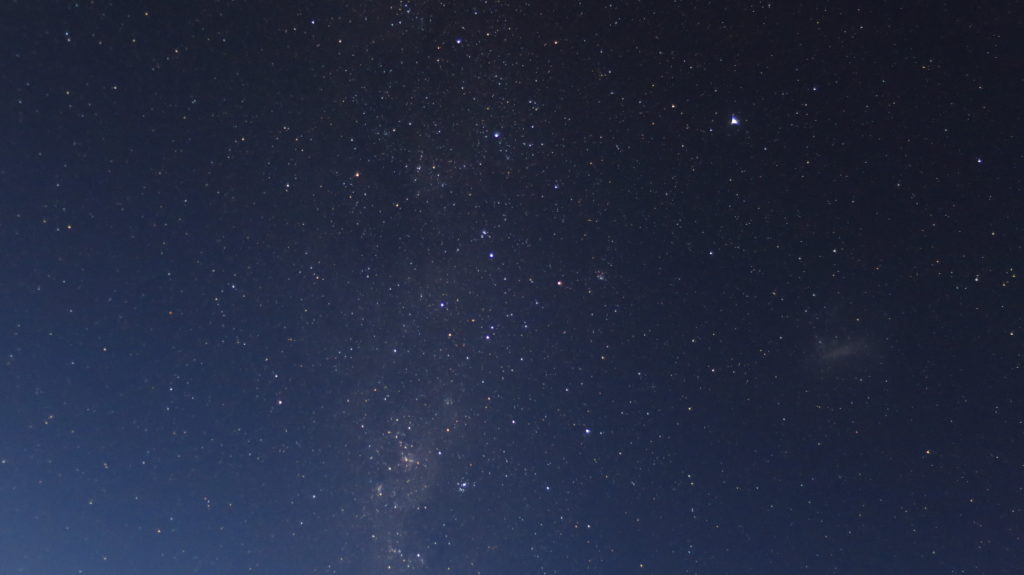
734,121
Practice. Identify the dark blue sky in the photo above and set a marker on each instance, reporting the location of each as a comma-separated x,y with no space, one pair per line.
502,288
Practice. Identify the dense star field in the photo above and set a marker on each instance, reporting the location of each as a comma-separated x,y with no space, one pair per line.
511,287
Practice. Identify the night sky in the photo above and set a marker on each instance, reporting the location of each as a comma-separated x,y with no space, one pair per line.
509,288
